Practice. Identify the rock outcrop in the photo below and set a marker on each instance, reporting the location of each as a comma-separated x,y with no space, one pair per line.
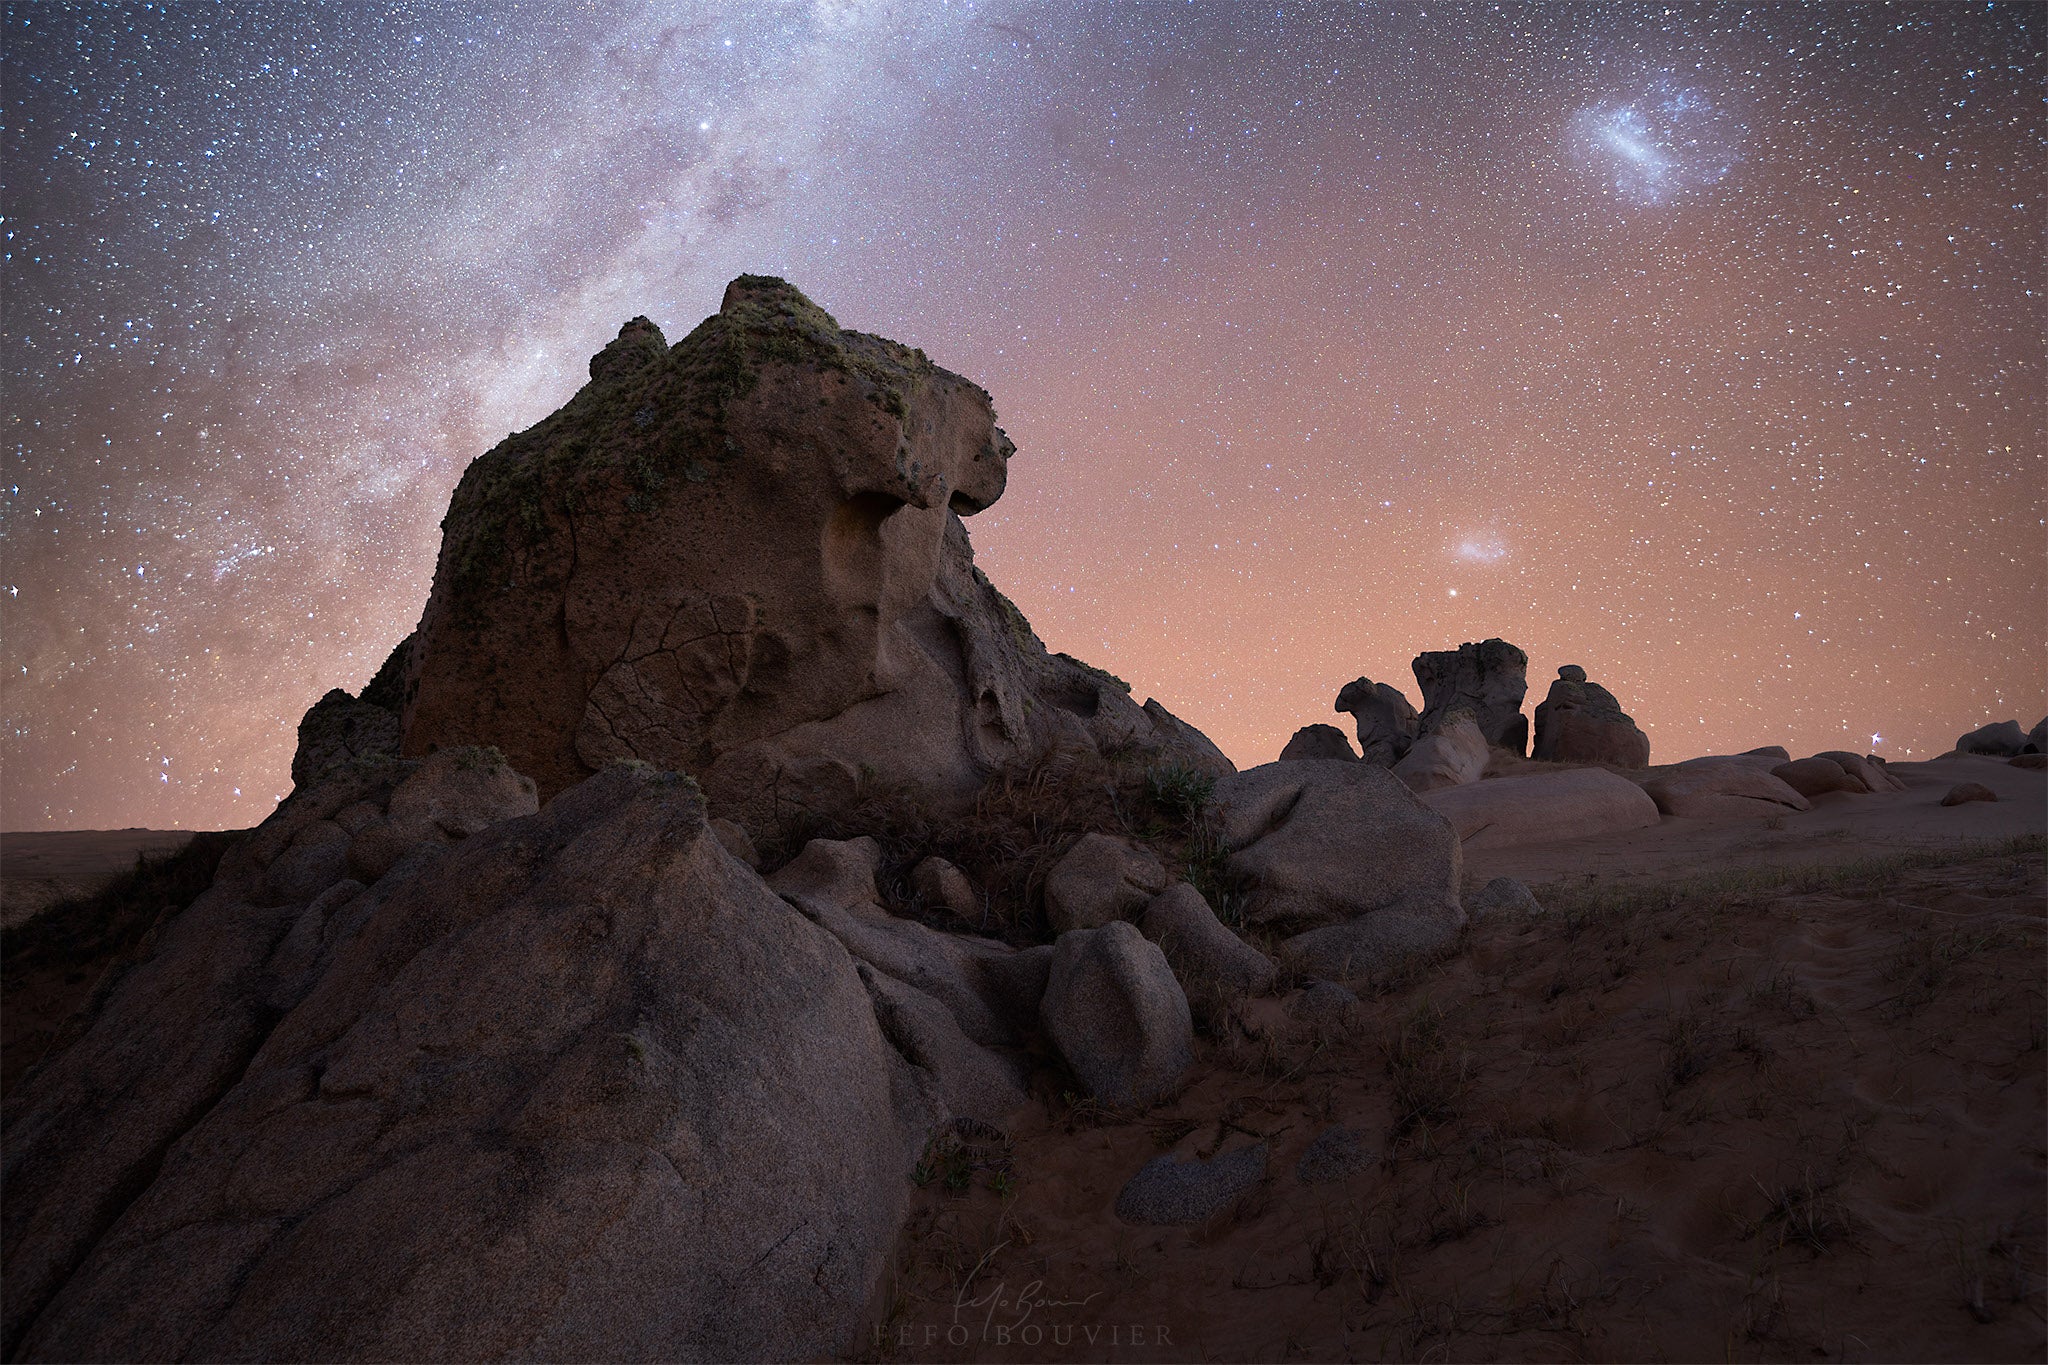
1489,678
1387,724
1200,947
1343,855
340,729
1708,787
575,1085
742,556
1581,722
2001,739
1317,741
1100,879
1817,776
1451,755
1543,808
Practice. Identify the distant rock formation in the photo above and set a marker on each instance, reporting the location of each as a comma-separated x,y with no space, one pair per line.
742,557
2002,739
1317,741
1581,722
1490,678
1387,724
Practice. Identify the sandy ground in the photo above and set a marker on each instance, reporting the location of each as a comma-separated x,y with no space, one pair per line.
38,869
1686,1114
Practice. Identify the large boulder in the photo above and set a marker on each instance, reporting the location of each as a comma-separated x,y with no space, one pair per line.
1818,776
2002,739
1489,678
1317,741
1867,770
340,729
2037,738
1543,808
1099,879
1387,725
578,1085
1200,947
1318,843
1449,756
742,556
1581,722
1115,1012
1723,787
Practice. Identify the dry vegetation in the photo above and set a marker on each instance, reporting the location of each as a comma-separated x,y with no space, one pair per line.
1756,1116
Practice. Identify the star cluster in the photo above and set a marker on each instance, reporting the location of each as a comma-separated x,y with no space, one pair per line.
1697,345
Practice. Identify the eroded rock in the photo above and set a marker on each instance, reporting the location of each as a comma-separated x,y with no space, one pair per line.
1489,679
1581,722
1116,1014
1317,741
1101,878
1387,725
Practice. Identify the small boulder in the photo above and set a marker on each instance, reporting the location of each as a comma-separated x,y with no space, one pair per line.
1543,807
835,872
1502,896
1387,725
1817,776
1964,792
1450,756
1116,1014
1098,880
1722,786
939,884
2003,739
1201,947
1581,722
1171,1190
1317,843
1317,741
1338,1153
1866,770
1489,679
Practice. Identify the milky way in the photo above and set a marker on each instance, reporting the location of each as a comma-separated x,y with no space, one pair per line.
1699,346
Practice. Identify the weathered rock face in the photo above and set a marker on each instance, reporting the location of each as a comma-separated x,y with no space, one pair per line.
1543,808
1490,678
340,729
1449,756
1723,787
577,1085
742,557
1317,741
2002,739
1581,722
1387,724
1100,879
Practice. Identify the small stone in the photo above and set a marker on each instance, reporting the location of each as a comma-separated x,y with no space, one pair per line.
1175,1191
1502,896
1337,1154
1321,1000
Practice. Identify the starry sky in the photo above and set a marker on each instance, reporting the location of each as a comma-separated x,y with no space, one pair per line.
1696,344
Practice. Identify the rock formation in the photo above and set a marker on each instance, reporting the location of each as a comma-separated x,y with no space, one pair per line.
1317,741
1451,755
1581,722
1387,724
742,557
1543,807
1342,856
2001,739
1489,678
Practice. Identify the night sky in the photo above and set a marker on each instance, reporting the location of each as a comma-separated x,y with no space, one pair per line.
1701,346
